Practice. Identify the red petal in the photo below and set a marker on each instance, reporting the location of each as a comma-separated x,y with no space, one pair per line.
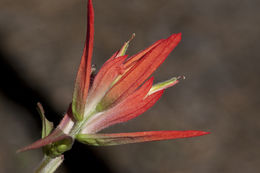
126,138
83,76
130,108
105,77
142,69
133,59
146,104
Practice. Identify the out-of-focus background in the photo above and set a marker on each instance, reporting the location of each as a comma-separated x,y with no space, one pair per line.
41,43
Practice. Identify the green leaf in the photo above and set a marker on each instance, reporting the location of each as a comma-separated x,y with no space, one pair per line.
47,126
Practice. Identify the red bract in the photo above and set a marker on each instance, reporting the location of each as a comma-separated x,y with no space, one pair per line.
84,72
119,92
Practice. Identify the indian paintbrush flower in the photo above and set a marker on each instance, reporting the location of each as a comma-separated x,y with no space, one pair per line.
120,91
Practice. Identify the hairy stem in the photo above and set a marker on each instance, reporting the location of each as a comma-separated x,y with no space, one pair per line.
49,165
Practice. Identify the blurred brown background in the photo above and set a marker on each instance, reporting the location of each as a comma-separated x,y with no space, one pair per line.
41,43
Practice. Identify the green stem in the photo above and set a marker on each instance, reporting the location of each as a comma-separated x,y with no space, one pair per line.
49,165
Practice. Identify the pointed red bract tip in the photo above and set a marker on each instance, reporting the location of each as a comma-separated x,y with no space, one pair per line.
84,71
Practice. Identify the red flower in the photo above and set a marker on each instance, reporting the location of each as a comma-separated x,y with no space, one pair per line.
119,92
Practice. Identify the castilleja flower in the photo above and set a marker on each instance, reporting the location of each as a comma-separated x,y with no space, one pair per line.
120,91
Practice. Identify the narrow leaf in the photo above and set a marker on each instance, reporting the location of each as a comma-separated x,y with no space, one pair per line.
47,126
56,135
126,138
